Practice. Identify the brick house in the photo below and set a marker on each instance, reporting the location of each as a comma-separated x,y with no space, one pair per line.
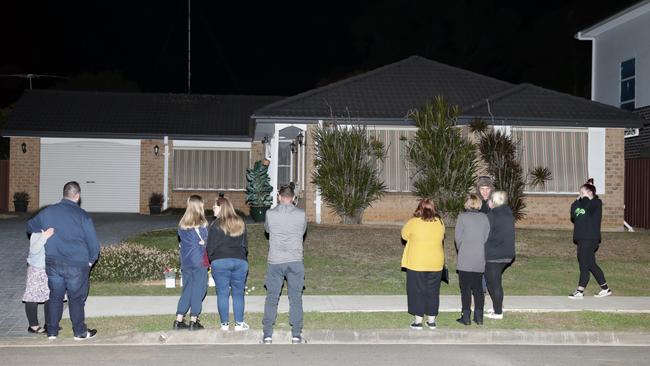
117,145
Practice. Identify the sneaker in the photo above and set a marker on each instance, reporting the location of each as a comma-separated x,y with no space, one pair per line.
179,325
195,325
416,326
240,327
267,340
604,293
91,333
225,327
298,340
52,338
494,316
431,325
577,295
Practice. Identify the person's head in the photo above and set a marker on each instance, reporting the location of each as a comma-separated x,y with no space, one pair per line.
227,219
194,213
485,187
499,198
426,210
588,189
473,203
286,193
72,191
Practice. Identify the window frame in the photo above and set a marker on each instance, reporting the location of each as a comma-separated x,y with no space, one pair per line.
623,104
205,147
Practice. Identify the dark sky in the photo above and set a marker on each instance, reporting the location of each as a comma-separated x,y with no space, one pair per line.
283,48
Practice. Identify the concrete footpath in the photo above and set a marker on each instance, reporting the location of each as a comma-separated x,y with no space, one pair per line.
97,306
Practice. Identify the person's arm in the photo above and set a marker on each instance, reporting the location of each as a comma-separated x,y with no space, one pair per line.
406,230
35,225
91,239
304,223
458,232
266,223
594,207
245,239
213,239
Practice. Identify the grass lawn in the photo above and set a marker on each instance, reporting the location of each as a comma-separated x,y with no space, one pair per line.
365,260
583,321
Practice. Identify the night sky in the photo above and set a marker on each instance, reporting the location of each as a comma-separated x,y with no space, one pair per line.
283,48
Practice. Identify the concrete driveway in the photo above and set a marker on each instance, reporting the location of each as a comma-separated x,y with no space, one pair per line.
111,229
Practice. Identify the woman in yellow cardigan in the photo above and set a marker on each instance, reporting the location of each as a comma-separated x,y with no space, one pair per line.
423,260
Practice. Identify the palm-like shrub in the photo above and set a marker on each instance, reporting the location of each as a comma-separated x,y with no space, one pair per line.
346,171
445,163
258,189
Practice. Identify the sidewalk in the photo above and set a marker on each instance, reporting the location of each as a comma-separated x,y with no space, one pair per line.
97,306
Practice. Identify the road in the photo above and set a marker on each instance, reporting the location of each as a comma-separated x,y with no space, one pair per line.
196,355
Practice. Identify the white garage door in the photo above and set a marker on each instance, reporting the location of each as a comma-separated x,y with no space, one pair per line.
107,170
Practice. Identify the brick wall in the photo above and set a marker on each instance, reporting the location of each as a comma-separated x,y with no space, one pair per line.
614,197
25,169
257,151
151,171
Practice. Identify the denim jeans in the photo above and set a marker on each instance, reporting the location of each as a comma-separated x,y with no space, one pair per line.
62,277
230,280
294,272
195,284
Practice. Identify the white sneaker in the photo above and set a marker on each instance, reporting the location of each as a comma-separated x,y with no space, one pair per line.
494,316
240,327
604,293
225,327
52,338
577,295
267,340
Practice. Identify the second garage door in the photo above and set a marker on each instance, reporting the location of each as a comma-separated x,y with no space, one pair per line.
107,170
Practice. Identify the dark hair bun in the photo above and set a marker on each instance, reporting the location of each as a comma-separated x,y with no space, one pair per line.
590,181
292,185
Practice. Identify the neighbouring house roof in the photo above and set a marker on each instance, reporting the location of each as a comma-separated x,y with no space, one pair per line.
615,20
56,113
387,95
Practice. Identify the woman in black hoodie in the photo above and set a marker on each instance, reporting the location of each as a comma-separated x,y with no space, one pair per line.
499,249
586,214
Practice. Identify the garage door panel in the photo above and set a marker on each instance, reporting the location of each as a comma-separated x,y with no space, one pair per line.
107,170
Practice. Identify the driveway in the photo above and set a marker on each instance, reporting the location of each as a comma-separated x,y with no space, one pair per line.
111,229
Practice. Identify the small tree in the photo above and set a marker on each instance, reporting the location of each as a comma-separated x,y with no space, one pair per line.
258,189
445,162
346,171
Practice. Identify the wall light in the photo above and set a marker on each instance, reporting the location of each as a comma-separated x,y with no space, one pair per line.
23,147
300,138
265,140
156,150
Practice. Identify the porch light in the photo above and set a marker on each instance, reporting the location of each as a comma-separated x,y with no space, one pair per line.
293,147
156,150
300,138
265,140
23,147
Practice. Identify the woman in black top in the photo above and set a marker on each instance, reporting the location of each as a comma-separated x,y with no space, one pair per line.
586,215
228,251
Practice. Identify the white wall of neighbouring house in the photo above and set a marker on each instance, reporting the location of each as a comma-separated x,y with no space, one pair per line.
625,41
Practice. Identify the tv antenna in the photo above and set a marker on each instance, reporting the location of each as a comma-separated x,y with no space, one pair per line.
31,76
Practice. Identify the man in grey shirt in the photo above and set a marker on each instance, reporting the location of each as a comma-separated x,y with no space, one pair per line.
286,226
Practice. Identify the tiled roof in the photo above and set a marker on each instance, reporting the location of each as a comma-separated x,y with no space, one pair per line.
58,113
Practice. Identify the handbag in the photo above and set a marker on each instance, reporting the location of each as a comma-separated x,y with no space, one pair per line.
206,260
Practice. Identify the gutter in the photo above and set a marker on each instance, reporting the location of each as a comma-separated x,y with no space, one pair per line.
126,136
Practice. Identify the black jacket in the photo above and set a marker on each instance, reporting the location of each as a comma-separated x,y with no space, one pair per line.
485,207
586,215
222,246
501,241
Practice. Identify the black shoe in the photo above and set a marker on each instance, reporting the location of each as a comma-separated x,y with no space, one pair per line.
38,330
431,325
478,320
464,320
89,334
195,325
416,326
179,325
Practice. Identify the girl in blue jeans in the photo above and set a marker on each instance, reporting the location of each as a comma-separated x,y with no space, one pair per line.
228,251
193,234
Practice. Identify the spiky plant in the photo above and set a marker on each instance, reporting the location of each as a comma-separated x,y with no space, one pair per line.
445,163
258,189
346,171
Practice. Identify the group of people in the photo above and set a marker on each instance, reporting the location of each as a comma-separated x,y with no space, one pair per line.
223,246
64,247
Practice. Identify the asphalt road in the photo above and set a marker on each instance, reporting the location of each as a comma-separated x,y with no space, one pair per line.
324,355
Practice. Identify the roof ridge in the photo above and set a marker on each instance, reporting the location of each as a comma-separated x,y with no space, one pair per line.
64,91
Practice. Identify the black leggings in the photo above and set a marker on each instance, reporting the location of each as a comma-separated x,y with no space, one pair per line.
471,283
423,292
493,272
587,261
31,310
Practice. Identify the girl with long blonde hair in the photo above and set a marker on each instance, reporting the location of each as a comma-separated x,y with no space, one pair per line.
193,235
228,252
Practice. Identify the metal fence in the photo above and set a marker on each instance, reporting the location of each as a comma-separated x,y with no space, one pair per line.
637,192
4,185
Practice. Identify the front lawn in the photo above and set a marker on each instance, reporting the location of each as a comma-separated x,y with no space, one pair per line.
365,260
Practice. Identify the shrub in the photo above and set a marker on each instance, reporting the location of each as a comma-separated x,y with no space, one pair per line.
21,196
132,262
258,189
346,171
156,199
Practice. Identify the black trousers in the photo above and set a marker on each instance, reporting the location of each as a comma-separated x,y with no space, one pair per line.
423,292
493,273
31,310
471,283
587,262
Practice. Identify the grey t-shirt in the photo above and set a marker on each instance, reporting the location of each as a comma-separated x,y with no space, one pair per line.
286,225
472,230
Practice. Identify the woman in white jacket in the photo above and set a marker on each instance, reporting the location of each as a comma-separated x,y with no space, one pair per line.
36,288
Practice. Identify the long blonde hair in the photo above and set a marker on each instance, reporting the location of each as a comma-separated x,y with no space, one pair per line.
231,224
194,213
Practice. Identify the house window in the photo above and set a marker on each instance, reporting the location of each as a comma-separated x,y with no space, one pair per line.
209,169
564,152
284,162
628,73
395,170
